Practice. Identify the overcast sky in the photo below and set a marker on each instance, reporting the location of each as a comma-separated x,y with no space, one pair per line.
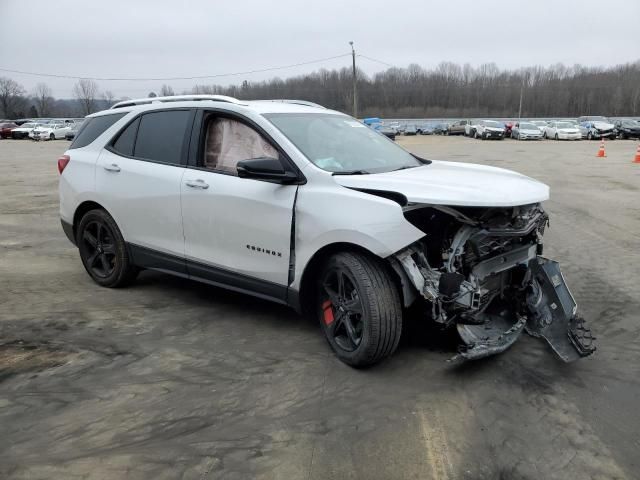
159,38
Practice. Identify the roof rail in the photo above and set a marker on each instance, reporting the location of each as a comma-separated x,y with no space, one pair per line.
296,102
176,98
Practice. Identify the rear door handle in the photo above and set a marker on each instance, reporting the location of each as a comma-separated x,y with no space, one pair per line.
201,184
112,168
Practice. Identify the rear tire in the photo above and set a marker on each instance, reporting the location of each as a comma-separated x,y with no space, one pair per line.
103,251
359,309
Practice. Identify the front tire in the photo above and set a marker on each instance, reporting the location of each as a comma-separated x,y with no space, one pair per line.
103,251
52,137
359,309
557,137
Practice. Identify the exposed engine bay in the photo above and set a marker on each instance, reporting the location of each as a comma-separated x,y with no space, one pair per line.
481,271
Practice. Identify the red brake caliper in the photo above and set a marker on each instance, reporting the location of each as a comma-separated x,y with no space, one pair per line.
327,312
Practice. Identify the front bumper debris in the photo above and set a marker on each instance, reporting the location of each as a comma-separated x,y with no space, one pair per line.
550,315
553,313
490,338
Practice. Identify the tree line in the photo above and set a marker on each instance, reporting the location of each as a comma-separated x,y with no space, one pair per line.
447,91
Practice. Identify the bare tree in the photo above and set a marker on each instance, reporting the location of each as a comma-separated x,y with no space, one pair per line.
86,92
166,91
43,99
152,95
109,97
11,96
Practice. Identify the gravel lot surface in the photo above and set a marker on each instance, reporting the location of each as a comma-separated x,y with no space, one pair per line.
172,379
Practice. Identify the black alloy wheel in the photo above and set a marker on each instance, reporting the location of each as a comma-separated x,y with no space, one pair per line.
99,248
359,308
342,309
103,251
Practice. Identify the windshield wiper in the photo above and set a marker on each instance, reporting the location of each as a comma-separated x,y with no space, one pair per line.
404,167
351,172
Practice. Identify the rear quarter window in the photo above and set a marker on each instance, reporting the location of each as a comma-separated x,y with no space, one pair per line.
93,127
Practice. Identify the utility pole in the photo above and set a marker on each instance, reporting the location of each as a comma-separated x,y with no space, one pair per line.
355,92
520,108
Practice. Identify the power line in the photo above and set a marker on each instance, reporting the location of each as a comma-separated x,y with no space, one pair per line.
377,61
217,75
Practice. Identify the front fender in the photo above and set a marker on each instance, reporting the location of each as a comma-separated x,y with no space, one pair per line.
329,214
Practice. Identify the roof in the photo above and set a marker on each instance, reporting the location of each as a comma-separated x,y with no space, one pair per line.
257,106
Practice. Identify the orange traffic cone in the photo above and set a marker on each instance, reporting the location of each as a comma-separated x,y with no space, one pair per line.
601,152
637,159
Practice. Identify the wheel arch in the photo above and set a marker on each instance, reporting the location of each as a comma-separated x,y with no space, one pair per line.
83,208
304,300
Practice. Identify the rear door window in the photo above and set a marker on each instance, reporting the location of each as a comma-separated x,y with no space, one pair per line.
161,136
93,127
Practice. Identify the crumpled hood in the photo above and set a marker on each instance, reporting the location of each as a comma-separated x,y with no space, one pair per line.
530,131
455,184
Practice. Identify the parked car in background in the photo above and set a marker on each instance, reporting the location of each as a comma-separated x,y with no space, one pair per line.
487,129
387,131
440,129
426,129
51,131
5,129
627,128
561,130
410,130
525,131
23,130
457,128
470,128
508,127
70,135
596,130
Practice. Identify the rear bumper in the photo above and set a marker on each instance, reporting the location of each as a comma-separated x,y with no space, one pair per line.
67,228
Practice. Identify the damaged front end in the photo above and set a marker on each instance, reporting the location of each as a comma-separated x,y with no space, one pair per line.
481,271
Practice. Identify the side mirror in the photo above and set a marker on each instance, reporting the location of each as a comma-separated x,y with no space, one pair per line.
265,168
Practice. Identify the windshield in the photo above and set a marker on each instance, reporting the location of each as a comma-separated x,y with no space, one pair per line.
27,125
491,123
340,144
527,126
565,125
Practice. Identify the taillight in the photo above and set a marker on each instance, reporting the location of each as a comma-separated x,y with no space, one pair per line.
62,163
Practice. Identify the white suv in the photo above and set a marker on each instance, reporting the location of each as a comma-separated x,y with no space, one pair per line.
306,206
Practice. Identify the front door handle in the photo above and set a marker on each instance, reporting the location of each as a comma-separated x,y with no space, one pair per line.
201,184
112,168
